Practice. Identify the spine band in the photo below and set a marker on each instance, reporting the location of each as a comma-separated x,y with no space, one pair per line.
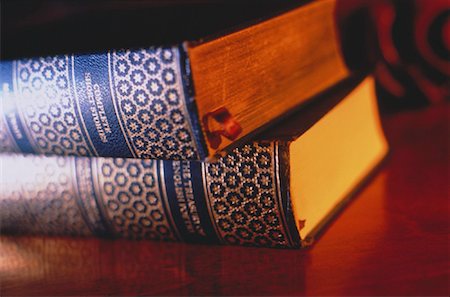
126,104
235,200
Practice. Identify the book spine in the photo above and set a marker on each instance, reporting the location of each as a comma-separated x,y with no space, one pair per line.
240,199
126,104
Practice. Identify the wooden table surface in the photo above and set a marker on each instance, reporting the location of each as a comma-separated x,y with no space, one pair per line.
393,239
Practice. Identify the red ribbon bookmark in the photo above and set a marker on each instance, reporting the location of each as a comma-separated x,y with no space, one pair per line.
231,128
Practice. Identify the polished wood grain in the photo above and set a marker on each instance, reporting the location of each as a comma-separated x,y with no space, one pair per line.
393,239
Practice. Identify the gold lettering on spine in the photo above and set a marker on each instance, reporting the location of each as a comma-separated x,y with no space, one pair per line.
97,108
76,100
165,200
185,197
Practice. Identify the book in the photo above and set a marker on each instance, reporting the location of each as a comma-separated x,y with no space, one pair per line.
185,102
272,194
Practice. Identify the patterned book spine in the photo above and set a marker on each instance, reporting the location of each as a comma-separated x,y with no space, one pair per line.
126,104
242,198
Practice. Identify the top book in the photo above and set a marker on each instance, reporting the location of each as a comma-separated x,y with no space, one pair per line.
189,101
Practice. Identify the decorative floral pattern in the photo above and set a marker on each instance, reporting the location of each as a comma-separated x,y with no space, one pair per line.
137,199
81,104
244,198
45,98
149,92
132,198
38,196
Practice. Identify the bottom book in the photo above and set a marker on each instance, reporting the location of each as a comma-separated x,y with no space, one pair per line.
272,194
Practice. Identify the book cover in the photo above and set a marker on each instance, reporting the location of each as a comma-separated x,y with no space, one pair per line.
263,193
131,104
184,102
239,200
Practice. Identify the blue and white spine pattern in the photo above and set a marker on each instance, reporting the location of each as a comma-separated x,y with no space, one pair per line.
242,199
126,103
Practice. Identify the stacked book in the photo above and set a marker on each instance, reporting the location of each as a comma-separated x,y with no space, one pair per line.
253,137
